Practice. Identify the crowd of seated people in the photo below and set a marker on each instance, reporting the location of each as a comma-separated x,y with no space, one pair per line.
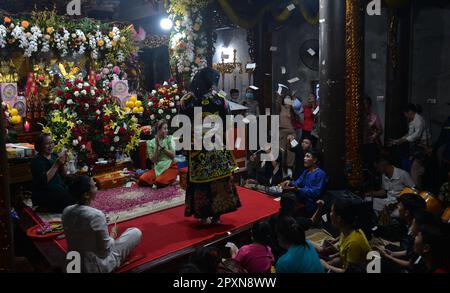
402,224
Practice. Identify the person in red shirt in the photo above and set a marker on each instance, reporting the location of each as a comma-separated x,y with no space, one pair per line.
308,116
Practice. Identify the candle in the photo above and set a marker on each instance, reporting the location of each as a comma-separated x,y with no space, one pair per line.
27,126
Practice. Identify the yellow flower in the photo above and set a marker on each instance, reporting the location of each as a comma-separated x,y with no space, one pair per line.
113,43
107,111
123,40
111,34
50,30
129,104
100,43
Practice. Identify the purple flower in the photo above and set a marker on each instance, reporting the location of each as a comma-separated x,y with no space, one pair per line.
116,69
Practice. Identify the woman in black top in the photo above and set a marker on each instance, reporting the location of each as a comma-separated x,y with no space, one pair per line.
50,192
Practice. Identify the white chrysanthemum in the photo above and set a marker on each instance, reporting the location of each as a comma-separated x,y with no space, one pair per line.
98,112
83,92
152,117
76,94
160,111
167,117
69,102
171,104
83,146
112,149
92,92
75,142
174,111
116,138
86,105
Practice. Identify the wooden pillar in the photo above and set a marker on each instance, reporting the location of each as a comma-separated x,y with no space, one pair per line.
6,237
397,71
353,92
332,90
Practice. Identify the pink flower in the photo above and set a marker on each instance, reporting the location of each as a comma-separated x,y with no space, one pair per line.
105,71
116,69
98,77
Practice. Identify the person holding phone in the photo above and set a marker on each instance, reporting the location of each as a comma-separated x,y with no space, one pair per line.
50,192
161,151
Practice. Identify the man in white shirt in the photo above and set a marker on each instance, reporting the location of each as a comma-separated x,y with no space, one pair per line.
394,180
417,137
417,132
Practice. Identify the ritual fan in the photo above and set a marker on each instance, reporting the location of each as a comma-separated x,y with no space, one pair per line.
309,54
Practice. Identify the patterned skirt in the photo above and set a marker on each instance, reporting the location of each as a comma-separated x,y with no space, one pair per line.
211,199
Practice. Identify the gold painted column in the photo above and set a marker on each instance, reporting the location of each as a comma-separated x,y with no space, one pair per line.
353,92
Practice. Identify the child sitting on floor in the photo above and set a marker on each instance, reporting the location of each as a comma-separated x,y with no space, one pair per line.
161,151
353,244
301,257
257,257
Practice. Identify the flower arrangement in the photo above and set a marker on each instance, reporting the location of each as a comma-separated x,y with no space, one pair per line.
59,126
46,31
107,74
86,121
188,43
162,102
11,114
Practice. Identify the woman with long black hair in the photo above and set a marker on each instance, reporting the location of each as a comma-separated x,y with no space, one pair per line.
210,191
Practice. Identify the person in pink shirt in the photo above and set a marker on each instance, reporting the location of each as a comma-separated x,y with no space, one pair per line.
257,257
371,135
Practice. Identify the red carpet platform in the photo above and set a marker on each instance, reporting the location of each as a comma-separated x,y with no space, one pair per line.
168,231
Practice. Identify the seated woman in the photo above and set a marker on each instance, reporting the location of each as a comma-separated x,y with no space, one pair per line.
310,186
257,257
353,244
161,151
49,190
86,231
301,257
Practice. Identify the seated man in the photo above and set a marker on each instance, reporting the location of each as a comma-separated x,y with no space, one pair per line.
394,180
310,186
268,173
432,243
410,206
